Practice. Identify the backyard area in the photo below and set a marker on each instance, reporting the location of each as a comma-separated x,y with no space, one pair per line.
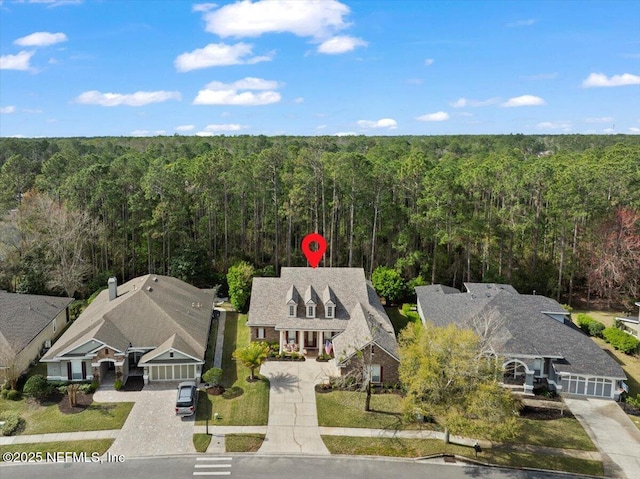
243,403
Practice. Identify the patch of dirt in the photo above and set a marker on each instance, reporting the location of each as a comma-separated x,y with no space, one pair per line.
215,390
83,401
544,414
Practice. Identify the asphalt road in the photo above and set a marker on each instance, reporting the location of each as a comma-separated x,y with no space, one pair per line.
262,467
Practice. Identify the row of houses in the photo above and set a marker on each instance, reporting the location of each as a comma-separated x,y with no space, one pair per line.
157,327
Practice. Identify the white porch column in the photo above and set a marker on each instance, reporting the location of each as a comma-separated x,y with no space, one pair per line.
301,341
320,343
281,341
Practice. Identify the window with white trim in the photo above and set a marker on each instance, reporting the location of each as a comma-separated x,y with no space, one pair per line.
260,333
311,311
375,373
330,311
292,311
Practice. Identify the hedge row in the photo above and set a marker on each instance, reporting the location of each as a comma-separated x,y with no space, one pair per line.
621,340
590,325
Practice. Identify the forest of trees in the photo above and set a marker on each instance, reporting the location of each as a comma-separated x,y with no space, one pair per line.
559,215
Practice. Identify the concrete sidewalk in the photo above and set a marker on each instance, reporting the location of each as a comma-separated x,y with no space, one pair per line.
59,436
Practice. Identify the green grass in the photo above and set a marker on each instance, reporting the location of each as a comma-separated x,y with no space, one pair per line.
400,317
398,447
47,418
244,403
243,442
201,442
386,411
562,432
98,446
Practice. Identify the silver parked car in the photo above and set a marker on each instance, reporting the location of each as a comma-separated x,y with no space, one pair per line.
187,399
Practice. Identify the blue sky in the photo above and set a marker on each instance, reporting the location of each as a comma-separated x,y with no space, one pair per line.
144,68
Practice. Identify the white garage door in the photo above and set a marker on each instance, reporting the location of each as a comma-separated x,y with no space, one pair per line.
598,387
173,372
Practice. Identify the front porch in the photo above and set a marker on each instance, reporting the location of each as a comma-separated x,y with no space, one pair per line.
307,342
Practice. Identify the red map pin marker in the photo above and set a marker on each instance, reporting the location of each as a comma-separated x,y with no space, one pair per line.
314,257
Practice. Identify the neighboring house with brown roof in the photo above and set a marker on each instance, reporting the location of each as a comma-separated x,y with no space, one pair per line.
28,325
534,334
308,309
152,326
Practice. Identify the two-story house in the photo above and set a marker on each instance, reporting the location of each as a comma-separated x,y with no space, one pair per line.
311,311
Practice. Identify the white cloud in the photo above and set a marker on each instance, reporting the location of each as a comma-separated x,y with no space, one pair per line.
304,18
633,129
345,133
389,123
463,102
41,39
138,98
203,7
321,127
554,125
218,54
224,127
437,116
185,127
148,133
524,100
428,62
340,44
19,61
8,109
604,119
601,80
522,23
217,93
298,100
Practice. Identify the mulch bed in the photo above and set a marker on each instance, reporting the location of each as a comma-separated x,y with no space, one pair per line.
83,401
544,414
215,390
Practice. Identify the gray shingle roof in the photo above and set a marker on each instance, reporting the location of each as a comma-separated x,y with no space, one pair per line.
24,316
529,331
348,288
148,310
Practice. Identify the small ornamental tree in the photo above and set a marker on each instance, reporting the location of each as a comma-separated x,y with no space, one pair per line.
252,356
239,279
36,387
389,284
213,376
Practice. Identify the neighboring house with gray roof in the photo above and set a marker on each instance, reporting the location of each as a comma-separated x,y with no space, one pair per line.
534,334
311,310
28,325
630,325
152,326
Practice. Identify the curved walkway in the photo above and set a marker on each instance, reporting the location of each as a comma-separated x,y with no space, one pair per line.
293,421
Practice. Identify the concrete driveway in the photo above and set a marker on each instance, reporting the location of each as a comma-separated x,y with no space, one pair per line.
293,420
152,428
613,433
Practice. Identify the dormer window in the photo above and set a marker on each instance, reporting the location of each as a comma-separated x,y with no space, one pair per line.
329,300
310,302
292,311
311,311
292,302
330,311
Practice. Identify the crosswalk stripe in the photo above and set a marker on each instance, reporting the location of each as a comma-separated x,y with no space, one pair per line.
214,458
212,465
213,473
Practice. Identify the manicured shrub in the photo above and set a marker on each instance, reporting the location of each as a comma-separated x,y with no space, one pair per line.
14,395
590,325
117,385
12,421
4,393
213,376
620,340
36,387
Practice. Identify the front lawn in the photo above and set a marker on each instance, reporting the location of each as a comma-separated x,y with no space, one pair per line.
386,411
566,433
399,447
47,418
243,442
98,446
243,403
201,442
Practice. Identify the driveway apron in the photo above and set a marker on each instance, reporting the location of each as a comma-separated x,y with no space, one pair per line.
615,436
152,428
293,420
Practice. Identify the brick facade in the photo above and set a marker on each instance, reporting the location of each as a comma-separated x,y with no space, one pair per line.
270,335
388,364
